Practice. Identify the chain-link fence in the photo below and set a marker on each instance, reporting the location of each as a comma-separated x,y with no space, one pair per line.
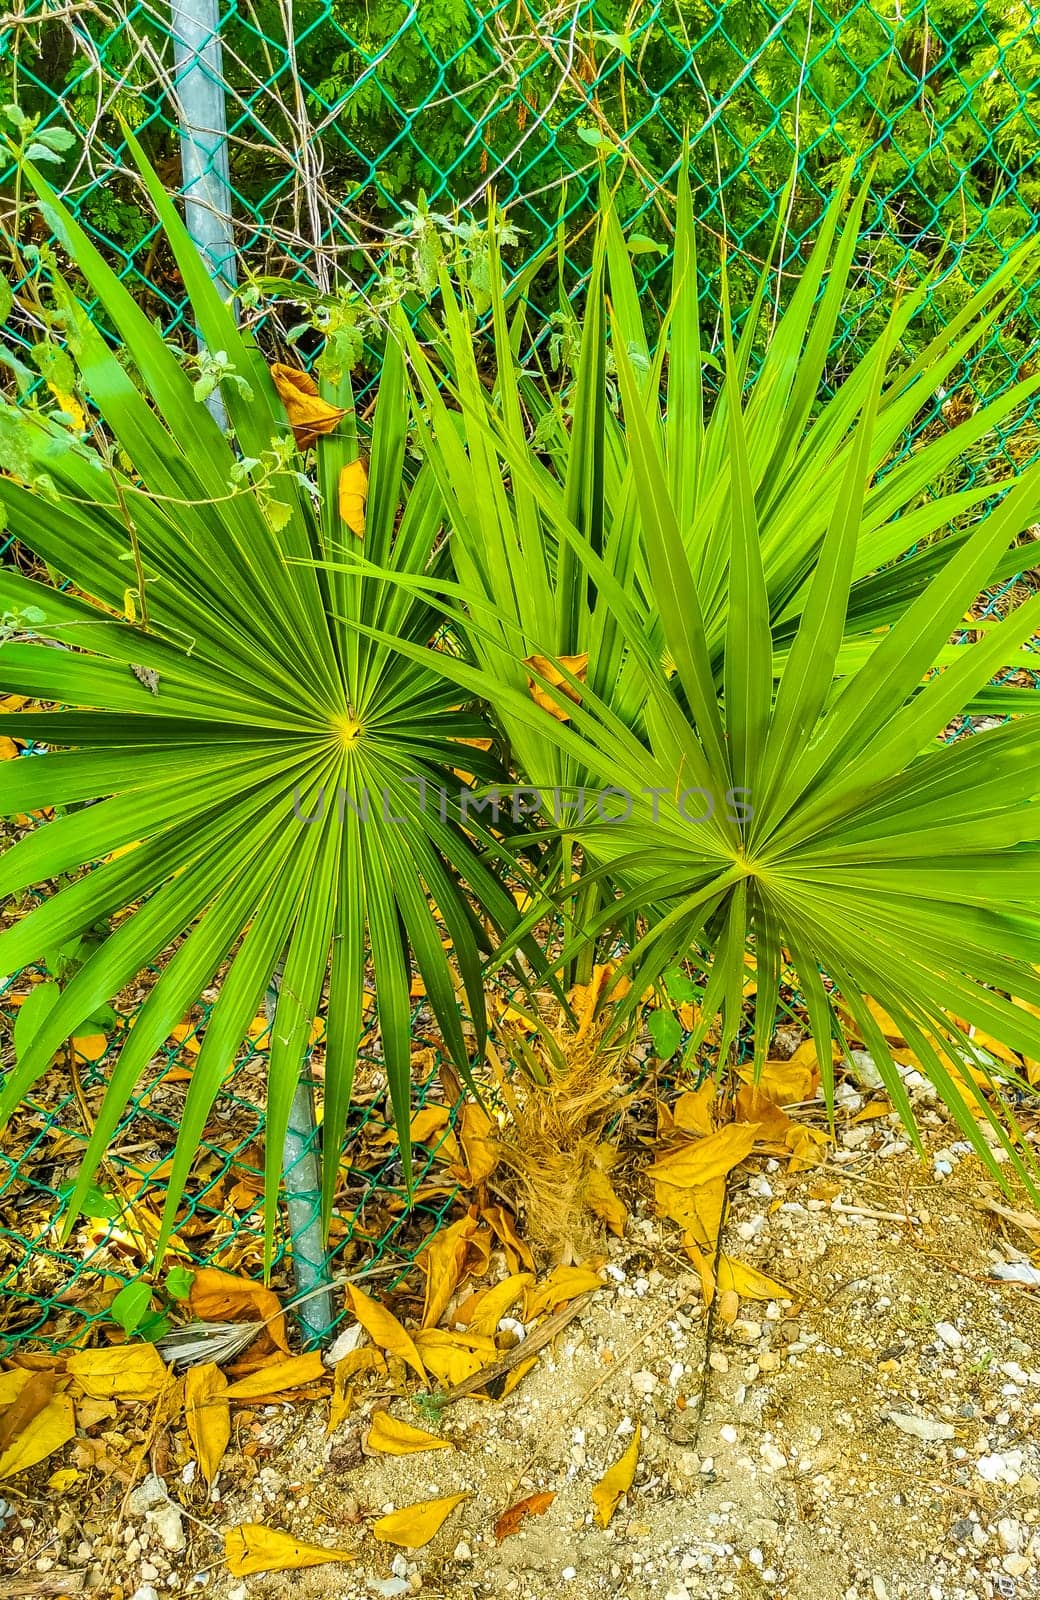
351,133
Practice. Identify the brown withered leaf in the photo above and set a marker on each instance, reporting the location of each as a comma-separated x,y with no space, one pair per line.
224,1297
535,1505
309,415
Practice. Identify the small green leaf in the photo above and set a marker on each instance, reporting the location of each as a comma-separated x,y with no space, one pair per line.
679,988
621,42
96,1203
153,1326
640,244
131,1304
666,1033
32,1014
57,139
178,1283
40,152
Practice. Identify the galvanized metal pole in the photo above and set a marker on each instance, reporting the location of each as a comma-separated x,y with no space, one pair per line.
301,1181
198,85
200,93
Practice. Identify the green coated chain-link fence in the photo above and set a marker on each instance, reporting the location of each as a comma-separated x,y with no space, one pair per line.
354,130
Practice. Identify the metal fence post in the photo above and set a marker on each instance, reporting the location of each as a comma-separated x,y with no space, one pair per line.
198,85
200,94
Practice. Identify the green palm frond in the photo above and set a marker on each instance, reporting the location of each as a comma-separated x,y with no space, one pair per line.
240,767
731,565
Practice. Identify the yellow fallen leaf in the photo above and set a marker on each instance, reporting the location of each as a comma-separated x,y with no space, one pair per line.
52,1428
728,1306
615,1483
691,1113
27,1394
253,1548
384,1330
785,1082
698,1211
889,1027
416,1525
89,1046
454,1357
476,1135
748,1282
548,670
515,1378
218,1296
63,1479
711,1157
604,1203
207,1416
872,1111
367,1359
751,1105
391,1437
705,1265
133,1372
993,1047
353,492
503,1226
427,1124
585,998
8,749
807,1146
562,1284
309,415
34,1422
279,1376
444,1261
807,1055
186,1034
483,1312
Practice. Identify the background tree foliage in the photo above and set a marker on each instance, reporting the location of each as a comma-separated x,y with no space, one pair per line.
384,118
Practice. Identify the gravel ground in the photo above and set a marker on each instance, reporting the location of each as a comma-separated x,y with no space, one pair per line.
872,1436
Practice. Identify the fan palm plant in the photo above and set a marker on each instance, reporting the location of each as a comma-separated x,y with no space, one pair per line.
240,767
766,683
